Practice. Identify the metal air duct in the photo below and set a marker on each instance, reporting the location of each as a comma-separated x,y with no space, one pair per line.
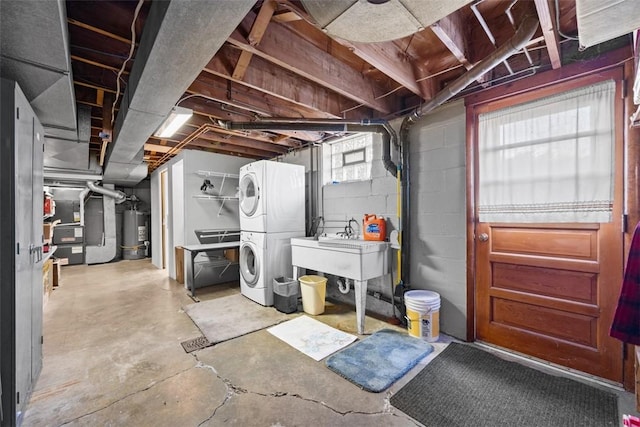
178,40
603,20
375,20
34,46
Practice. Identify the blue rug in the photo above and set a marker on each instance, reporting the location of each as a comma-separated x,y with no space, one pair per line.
380,360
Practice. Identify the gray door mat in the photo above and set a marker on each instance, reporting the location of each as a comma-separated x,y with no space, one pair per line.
466,386
195,344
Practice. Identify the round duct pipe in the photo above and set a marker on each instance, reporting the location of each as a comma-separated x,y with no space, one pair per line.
119,196
378,20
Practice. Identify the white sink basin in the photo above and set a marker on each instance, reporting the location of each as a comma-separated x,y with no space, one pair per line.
359,260
354,259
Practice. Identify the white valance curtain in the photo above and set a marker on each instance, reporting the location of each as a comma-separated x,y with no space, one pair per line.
551,160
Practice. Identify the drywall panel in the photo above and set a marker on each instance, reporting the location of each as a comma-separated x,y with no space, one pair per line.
209,213
177,188
156,224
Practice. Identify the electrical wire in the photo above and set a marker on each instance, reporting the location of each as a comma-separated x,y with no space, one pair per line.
558,24
124,64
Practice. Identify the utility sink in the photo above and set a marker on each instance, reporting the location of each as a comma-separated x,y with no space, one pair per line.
359,260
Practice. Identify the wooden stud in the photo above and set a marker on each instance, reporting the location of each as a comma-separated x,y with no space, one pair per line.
98,30
257,31
99,96
550,36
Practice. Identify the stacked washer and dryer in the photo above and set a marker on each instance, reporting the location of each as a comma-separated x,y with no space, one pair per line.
272,211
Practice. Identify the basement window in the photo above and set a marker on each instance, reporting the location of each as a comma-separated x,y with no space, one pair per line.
348,159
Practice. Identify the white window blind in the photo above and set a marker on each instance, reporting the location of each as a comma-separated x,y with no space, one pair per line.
550,160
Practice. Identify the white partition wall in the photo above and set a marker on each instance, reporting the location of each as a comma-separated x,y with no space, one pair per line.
188,208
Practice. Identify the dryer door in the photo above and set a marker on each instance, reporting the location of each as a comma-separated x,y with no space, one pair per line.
249,194
249,264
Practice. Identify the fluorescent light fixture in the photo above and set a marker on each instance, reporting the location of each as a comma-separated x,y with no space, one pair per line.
176,118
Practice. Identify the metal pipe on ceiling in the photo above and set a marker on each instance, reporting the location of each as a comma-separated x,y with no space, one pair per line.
519,40
389,136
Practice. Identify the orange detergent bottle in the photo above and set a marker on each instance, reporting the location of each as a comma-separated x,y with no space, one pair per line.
374,227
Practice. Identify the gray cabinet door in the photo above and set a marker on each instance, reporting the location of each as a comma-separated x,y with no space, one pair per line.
24,246
36,238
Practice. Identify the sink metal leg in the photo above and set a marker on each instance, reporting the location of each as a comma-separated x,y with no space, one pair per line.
295,272
361,300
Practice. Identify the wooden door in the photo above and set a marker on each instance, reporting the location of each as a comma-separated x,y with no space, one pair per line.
550,290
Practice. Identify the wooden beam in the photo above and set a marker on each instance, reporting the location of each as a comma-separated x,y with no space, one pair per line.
213,135
550,36
156,148
281,47
387,58
242,65
261,22
284,17
231,149
199,119
99,96
257,31
274,81
98,30
215,111
248,99
450,32
107,129
92,86
96,64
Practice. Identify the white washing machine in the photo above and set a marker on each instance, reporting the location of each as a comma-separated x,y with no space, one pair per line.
263,257
272,197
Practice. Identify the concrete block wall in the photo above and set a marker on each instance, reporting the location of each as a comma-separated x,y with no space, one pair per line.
438,212
340,202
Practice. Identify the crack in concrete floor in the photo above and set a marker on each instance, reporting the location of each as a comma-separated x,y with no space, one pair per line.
149,387
232,390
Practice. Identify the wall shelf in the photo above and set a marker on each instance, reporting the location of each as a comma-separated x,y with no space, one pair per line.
222,198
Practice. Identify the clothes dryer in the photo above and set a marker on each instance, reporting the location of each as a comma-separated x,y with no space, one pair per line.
272,197
263,257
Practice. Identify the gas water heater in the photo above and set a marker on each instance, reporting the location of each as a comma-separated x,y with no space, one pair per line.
135,235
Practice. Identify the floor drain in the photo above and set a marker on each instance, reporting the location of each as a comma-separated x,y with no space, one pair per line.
195,344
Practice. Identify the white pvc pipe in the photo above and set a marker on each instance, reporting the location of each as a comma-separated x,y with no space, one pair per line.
82,195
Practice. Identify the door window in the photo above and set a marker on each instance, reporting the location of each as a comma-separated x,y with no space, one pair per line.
550,160
249,265
249,195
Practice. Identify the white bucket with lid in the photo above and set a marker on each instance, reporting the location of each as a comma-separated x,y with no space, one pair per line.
423,314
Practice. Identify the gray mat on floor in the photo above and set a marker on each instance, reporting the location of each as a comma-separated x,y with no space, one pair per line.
378,361
222,319
466,386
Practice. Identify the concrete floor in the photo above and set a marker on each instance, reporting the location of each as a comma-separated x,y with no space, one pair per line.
112,357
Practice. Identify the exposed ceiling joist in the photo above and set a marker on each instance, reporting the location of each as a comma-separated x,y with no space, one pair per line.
272,80
257,31
282,48
386,57
450,32
550,36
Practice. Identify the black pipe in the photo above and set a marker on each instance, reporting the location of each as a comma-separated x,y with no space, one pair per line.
382,127
525,32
